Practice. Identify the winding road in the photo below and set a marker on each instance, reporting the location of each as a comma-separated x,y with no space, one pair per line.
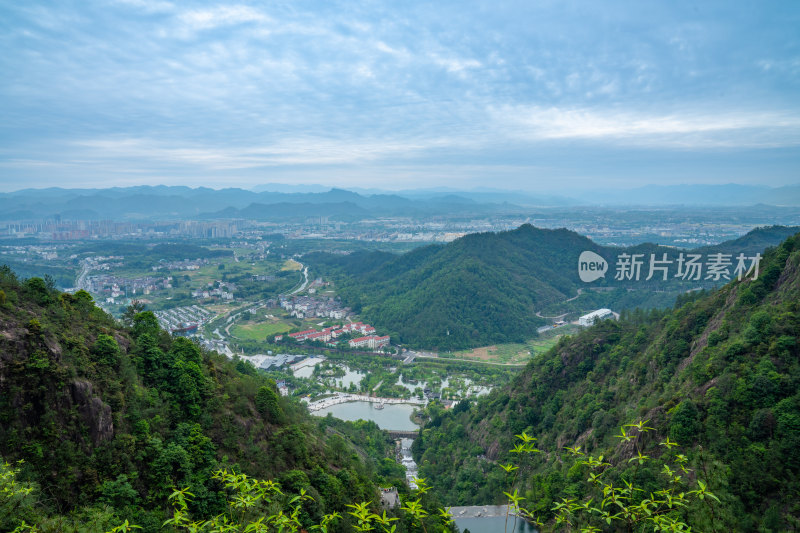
304,284
539,313
233,315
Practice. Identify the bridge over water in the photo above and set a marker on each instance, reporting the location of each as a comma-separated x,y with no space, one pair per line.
400,434
345,397
479,511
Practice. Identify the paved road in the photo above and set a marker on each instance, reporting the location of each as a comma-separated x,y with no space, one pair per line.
539,313
81,281
233,315
305,282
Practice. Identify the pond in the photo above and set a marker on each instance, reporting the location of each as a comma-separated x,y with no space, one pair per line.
350,377
421,384
392,416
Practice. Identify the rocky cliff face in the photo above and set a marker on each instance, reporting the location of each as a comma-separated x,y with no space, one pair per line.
95,413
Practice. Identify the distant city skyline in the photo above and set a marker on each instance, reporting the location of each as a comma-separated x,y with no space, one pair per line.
546,97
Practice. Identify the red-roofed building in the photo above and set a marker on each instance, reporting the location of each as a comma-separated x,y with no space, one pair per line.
372,342
302,335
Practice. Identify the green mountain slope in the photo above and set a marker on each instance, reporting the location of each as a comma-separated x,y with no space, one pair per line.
487,288
719,374
483,288
109,420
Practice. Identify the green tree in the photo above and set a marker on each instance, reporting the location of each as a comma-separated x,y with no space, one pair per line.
106,350
38,290
186,350
118,493
145,323
131,311
17,498
267,404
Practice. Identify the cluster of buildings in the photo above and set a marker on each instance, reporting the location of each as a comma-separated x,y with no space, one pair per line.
100,262
186,264
47,253
220,289
328,336
183,320
204,230
314,307
113,287
216,345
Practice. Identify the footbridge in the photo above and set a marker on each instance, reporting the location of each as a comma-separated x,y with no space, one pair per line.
401,434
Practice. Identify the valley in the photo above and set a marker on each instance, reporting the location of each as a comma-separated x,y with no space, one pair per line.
399,267
415,347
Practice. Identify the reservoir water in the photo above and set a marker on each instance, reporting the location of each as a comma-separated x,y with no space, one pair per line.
392,416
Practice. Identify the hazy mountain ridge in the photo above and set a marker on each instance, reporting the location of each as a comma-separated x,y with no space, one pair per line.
143,202
182,202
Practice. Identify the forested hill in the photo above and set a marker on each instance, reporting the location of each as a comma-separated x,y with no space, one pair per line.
110,419
486,288
481,289
719,375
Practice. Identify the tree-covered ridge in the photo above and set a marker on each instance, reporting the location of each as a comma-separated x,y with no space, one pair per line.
487,288
481,289
110,419
719,374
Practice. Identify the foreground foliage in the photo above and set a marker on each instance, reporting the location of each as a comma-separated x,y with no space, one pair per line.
109,419
251,505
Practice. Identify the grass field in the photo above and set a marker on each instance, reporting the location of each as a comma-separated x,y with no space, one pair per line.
515,353
259,331
291,264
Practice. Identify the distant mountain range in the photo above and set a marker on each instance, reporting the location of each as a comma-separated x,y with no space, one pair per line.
712,195
488,288
161,202
179,202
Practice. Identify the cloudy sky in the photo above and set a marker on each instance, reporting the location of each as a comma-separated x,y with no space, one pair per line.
536,95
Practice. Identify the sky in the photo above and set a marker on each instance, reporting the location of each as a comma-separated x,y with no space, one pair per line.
537,95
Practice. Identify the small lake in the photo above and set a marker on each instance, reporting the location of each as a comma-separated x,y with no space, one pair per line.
392,416
350,377
421,384
495,524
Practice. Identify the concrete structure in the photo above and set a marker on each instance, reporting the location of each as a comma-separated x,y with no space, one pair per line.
590,318
389,498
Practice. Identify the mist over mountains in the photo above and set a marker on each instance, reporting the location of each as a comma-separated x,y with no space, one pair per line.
299,201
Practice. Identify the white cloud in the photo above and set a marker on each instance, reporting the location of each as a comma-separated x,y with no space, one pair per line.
688,129
204,19
455,65
299,151
148,6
